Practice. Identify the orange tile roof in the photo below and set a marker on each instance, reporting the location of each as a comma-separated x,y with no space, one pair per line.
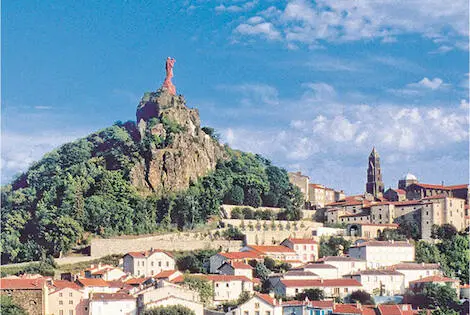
22,284
91,282
434,279
271,249
463,186
431,186
165,274
240,265
61,284
267,298
148,253
321,283
111,296
398,309
241,255
136,281
302,241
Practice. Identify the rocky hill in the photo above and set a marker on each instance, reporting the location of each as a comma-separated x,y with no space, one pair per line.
178,151
161,173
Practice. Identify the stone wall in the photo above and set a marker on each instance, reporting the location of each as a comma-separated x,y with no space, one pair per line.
171,242
264,232
32,301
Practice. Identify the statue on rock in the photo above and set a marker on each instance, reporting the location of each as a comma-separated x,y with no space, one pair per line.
167,84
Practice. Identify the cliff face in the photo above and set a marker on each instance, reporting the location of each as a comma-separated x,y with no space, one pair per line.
177,150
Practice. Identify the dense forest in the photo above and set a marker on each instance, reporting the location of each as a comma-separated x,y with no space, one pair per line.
83,188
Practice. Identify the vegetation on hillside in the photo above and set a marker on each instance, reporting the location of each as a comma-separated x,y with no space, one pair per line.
83,188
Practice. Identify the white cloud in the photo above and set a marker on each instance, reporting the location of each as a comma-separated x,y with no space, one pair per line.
254,93
344,20
432,84
235,8
19,151
264,28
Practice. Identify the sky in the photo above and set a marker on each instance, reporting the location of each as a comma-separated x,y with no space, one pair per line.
311,85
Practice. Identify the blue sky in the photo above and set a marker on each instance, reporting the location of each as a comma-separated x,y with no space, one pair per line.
312,85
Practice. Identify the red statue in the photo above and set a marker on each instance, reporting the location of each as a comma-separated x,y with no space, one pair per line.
170,63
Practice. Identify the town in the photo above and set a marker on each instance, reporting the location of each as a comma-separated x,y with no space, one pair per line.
362,254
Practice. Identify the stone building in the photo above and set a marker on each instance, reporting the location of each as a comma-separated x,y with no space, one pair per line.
148,263
380,281
300,181
29,294
375,185
406,181
379,254
395,194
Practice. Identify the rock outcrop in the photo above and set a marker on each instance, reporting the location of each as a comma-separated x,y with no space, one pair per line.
176,149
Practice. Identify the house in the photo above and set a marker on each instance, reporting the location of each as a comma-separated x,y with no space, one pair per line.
276,252
217,260
380,282
415,271
112,303
29,294
261,304
353,309
324,271
105,272
90,285
148,263
331,287
306,249
418,285
383,253
293,274
66,298
227,288
168,275
170,300
163,289
344,264
236,269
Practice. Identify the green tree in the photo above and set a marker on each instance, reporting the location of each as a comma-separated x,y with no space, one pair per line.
252,197
311,294
9,308
270,263
202,286
434,296
169,310
233,233
236,213
235,196
456,252
363,297
261,271
333,246
189,263
443,232
427,252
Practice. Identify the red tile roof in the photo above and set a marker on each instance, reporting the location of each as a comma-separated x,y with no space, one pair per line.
241,255
322,304
398,309
226,278
267,298
414,266
463,186
400,191
434,279
346,309
91,282
431,186
148,253
318,266
384,243
302,241
263,249
321,283
22,284
119,296
378,272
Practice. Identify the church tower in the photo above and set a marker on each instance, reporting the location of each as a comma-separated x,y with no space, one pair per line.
375,185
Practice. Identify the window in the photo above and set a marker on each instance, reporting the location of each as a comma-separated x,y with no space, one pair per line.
70,312
138,272
268,312
256,305
296,290
61,302
246,313
71,302
138,263
152,263
168,264
159,264
345,290
143,263
305,247
216,285
61,312
70,294
336,291
60,294
227,285
256,312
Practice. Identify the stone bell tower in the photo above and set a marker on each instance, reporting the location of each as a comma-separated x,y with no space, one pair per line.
375,185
